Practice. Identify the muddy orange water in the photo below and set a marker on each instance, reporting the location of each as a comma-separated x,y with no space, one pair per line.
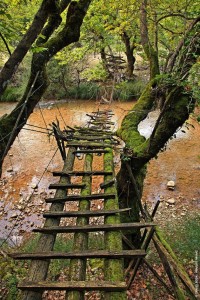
28,166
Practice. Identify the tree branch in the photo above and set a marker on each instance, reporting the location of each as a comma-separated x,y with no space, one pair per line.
5,43
174,15
180,45
25,44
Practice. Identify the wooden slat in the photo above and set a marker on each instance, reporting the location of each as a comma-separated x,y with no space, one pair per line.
89,138
88,145
78,198
97,122
90,151
92,228
81,173
82,254
66,186
73,286
86,213
103,112
107,184
82,129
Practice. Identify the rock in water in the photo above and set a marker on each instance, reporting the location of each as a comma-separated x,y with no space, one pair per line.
171,185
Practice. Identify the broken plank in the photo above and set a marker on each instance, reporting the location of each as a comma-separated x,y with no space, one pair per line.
106,184
66,186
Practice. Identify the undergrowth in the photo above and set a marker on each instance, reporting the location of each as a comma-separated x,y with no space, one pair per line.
184,238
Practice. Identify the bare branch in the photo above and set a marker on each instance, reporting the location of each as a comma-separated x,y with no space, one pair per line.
180,45
5,43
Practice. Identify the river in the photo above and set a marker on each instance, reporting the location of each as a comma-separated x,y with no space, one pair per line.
28,166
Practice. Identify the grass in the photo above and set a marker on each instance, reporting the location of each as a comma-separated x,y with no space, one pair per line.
128,90
11,94
84,91
12,271
185,238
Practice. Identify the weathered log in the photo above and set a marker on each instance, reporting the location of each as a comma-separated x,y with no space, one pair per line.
78,266
113,240
38,269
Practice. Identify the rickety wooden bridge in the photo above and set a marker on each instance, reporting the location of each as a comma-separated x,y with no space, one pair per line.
92,141
86,143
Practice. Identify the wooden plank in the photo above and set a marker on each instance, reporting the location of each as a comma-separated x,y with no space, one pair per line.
92,228
78,198
63,186
103,112
73,286
101,122
88,145
89,213
82,129
82,254
81,173
90,138
107,184
90,151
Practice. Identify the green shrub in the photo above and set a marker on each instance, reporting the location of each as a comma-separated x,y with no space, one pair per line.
11,94
95,73
128,90
84,91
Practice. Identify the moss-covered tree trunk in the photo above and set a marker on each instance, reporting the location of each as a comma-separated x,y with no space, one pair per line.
10,125
139,151
177,105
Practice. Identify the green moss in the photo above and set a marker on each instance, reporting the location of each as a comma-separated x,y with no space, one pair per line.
129,128
113,240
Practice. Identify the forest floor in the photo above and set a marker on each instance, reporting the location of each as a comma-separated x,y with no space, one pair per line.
22,198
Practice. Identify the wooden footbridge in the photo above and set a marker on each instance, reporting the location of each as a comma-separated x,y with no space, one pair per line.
96,141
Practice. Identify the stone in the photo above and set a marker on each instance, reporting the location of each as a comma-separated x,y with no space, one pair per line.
10,169
171,185
14,215
34,186
171,201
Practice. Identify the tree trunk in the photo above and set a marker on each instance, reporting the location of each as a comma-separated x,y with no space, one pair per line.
24,45
151,53
129,54
105,62
139,151
178,104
